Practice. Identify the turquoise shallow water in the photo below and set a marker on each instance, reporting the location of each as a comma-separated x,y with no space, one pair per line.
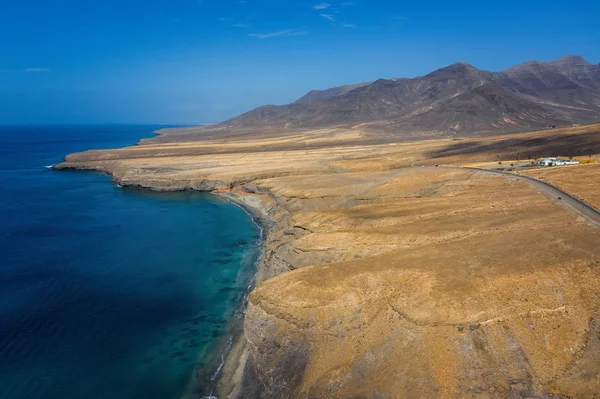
104,292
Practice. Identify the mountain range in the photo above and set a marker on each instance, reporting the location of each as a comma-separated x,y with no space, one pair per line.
456,99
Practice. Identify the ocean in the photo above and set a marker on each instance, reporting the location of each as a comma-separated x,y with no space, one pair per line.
110,293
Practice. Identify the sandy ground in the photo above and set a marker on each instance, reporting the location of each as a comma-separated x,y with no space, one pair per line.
382,278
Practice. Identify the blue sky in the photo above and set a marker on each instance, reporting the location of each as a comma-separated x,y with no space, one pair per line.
195,61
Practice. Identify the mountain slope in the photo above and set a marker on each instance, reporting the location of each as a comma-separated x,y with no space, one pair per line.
455,99
486,108
316,95
570,81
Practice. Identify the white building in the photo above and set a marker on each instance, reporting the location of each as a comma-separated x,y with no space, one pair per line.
556,162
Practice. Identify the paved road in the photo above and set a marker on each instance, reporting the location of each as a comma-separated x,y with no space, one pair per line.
576,206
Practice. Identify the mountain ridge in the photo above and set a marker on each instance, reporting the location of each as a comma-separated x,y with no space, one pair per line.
530,95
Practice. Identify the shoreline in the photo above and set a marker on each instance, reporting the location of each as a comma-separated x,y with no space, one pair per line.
227,360
229,376
233,378
205,383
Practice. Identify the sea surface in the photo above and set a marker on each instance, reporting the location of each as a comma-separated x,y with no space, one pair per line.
109,293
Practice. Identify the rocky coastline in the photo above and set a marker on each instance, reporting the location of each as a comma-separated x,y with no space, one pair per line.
229,379
235,380
383,279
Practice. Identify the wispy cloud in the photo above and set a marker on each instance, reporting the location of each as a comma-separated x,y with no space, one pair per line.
322,6
240,25
332,12
277,34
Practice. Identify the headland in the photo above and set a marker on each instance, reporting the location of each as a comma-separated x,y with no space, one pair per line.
388,269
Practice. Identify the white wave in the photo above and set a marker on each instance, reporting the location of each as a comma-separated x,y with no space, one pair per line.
226,351
49,166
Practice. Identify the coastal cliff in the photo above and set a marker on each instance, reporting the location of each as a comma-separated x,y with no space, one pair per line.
384,279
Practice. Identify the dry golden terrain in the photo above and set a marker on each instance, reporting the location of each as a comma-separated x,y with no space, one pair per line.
582,181
387,277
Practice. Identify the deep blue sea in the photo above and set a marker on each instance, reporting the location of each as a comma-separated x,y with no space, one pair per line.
109,293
